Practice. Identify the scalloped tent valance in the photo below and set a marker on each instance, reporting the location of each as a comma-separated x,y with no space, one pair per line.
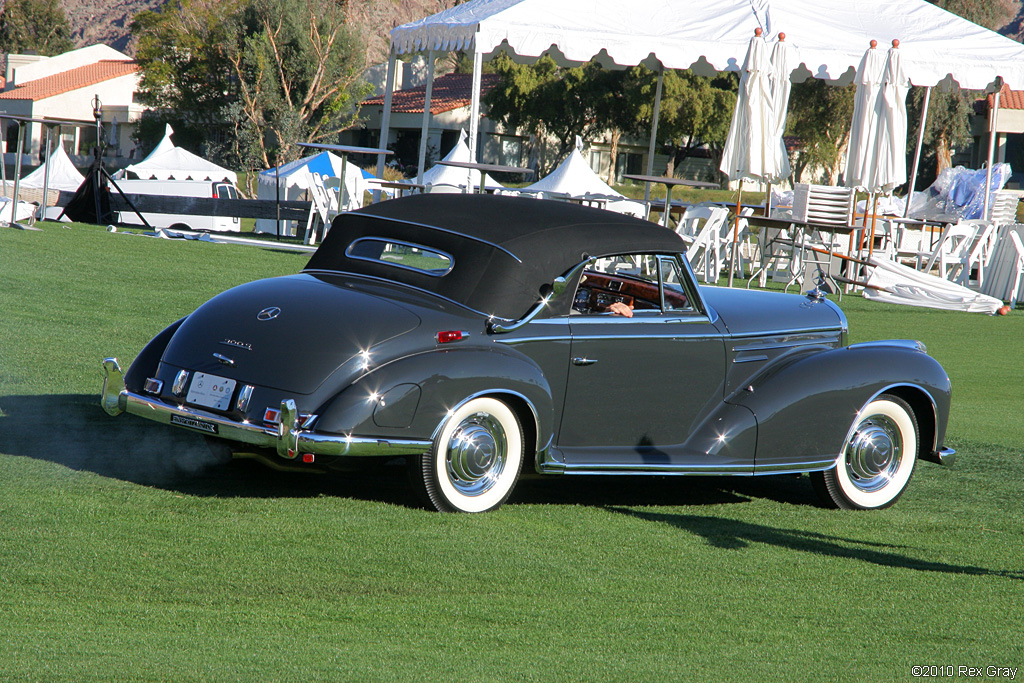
831,35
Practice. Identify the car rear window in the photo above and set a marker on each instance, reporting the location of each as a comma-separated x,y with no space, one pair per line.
401,255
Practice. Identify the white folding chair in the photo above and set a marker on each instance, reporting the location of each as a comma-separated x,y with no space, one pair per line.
953,250
701,228
1018,269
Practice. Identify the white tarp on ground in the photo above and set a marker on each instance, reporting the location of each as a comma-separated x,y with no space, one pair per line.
23,213
440,175
895,283
63,174
575,178
830,35
294,180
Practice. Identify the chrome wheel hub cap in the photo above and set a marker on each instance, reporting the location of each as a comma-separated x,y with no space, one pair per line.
874,453
476,454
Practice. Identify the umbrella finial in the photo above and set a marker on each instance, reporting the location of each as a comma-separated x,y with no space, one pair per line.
782,37
874,44
758,31
895,42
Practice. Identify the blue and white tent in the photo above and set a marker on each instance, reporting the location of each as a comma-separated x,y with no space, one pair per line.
292,180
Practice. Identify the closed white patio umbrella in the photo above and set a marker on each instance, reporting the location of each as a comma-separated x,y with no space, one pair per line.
754,149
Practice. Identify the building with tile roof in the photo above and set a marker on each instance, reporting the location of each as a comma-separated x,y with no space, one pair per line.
1008,125
65,88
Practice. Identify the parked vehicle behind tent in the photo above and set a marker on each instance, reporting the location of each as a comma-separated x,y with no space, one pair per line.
181,188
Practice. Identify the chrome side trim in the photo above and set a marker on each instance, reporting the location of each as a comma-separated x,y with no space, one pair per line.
551,466
779,333
911,344
289,435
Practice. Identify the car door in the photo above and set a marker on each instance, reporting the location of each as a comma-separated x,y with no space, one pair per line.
637,386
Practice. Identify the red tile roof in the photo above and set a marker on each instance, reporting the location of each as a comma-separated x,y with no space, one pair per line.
1008,99
73,79
450,91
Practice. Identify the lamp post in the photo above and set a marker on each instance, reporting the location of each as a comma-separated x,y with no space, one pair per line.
97,171
97,113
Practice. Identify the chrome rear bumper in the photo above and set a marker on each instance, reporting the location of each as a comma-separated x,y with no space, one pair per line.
288,438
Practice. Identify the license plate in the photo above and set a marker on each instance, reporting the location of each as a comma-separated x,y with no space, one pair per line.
210,391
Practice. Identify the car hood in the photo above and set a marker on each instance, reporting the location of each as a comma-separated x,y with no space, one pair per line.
746,312
289,333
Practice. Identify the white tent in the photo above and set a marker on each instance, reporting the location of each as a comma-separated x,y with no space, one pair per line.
441,176
575,178
291,181
164,145
706,35
180,164
63,174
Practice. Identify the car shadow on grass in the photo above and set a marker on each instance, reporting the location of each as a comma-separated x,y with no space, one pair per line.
73,431
730,534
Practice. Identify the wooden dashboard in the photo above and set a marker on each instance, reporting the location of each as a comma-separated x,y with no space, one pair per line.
598,291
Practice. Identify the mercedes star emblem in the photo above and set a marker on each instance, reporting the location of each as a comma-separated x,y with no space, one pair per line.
268,313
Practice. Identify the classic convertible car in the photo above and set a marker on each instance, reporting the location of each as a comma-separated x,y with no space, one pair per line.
475,335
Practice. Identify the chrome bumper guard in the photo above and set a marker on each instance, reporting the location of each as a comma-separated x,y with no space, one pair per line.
287,438
944,456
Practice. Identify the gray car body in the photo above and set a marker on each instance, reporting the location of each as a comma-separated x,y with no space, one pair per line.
745,383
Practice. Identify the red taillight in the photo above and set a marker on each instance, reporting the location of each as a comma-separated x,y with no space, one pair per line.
308,458
449,336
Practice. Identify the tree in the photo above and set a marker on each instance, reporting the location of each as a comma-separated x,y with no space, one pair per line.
542,99
34,25
696,112
264,73
820,115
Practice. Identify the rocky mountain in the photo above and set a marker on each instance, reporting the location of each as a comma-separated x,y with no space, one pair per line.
108,21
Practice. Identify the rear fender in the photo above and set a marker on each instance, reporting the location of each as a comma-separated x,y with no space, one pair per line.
411,397
805,410
145,364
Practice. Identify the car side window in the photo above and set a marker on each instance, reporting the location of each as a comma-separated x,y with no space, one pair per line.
640,282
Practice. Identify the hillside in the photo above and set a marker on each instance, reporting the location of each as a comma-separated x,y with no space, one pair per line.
108,21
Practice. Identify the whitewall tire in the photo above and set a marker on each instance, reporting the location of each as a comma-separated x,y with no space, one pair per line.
877,459
476,458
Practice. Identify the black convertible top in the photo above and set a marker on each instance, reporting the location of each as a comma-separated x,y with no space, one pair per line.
505,249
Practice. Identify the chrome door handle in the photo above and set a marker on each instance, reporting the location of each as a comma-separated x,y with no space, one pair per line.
584,361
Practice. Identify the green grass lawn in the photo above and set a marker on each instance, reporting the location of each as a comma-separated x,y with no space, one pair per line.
131,551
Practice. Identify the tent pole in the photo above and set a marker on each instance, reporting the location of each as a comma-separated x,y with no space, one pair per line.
474,116
46,175
917,152
654,134
3,157
735,232
993,117
385,122
425,126
17,172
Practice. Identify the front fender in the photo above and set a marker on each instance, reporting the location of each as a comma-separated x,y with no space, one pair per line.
411,397
805,409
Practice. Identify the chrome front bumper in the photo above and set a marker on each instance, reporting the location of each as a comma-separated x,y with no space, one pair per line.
288,438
